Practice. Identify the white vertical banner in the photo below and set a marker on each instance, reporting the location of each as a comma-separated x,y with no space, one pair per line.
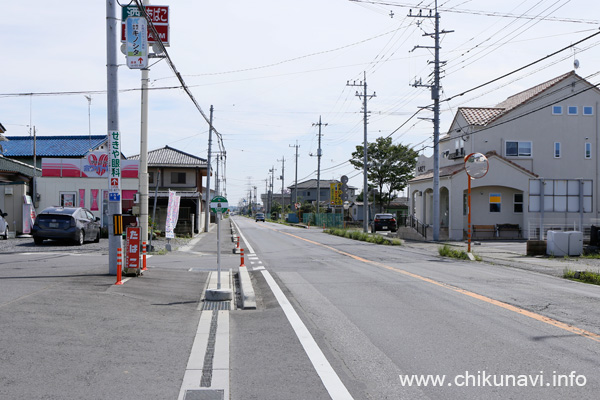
172,214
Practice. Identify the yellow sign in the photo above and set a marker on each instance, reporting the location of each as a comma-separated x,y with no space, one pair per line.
335,194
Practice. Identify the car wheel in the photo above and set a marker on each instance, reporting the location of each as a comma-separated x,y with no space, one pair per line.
81,238
97,240
38,241
6,234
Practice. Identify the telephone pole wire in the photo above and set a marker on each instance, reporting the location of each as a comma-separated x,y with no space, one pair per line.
319,153
435,96
282,184
364,98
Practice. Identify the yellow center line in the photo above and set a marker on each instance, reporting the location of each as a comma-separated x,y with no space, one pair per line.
538,317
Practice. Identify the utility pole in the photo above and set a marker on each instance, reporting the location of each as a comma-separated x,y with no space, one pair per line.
435,96
296,178
207,199
266,203
364,98
282,183
319,153
112,115
272,171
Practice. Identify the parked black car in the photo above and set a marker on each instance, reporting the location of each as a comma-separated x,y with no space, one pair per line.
259,217
384,222
73,223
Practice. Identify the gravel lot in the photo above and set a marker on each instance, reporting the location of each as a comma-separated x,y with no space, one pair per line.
26,245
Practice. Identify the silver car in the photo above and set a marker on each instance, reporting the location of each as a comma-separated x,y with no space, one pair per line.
72,223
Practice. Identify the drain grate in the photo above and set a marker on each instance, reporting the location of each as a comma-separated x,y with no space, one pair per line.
216,305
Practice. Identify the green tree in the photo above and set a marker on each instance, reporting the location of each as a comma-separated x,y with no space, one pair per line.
390,167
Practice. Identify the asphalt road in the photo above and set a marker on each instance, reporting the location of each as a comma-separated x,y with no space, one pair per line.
377,317
383,314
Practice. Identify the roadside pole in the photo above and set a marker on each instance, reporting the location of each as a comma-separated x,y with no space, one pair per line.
207,196
114,205
143,172
219,205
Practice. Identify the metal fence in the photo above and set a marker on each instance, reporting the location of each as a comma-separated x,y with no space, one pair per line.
325,220
412,222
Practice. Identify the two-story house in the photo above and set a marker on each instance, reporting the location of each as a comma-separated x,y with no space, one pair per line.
543,172
173,169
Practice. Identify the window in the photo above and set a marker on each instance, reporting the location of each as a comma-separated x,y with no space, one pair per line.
518,203
556,150
495,202
177,177
588,150
588,110
572,110
67,199
557,110
518,149
151,177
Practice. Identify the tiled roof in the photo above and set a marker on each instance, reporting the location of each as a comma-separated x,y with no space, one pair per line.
485,115
479,116
168,156
52,146
520,98
8,165
459,167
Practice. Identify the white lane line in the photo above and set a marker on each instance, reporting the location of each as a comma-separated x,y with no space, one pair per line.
248,247
335,387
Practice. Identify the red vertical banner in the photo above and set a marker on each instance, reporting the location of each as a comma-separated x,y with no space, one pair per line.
132,258
81,197
94,205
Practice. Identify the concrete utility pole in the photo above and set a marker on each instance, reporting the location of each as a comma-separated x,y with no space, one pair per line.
112,115
364,98
266,203
435,96
272,171
296,178
319,153
143,172
207,199
282,183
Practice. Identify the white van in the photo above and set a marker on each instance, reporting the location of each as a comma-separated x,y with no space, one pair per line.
3,226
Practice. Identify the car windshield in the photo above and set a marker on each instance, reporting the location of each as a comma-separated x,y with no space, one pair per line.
384,216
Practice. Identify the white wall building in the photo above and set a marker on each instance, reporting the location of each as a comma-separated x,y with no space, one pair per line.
544,137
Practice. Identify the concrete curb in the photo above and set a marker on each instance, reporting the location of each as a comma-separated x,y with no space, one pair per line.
246,289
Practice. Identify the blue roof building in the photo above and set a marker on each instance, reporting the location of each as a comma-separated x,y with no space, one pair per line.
19,147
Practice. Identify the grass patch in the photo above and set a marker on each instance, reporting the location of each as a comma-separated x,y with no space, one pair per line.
363,237
582,276
447,251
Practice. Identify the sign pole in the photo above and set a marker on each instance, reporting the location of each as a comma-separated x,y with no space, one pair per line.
469,207
219,205
219,248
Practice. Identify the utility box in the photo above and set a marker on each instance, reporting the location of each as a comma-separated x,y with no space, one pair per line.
575,243
564,243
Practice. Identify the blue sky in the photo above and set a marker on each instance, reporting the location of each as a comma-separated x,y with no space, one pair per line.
271,68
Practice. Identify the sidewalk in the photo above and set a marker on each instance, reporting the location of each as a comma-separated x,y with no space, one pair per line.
512,254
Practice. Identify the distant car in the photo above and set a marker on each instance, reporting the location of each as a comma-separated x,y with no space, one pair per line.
259,217
72,223
384,222
3,226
